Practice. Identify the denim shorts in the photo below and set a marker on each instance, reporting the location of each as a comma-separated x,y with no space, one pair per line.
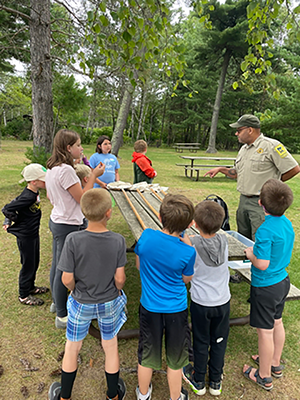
110,316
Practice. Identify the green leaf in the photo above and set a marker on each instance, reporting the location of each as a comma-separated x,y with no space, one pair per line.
297,10
235,85
97,28
258,71
168,72
211,8
190,95
126,36
104,20
102,6
244,66
140,22
90,15
289,26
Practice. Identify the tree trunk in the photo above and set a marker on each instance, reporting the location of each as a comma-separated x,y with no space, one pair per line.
117,137
41,75
141,116
215,116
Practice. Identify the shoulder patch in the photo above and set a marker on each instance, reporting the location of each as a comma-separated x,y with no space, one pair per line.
281,150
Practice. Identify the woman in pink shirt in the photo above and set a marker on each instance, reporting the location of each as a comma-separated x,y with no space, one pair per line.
64,192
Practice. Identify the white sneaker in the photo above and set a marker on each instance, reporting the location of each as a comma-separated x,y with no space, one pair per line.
61,322
215,388
138,393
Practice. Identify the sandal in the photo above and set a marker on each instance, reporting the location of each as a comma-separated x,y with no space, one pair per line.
39,290
262,382
31,301
276,371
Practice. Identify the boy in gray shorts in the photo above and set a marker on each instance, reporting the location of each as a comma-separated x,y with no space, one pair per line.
96,283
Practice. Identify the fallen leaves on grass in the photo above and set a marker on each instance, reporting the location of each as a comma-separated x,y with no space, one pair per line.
41,387
56,372
24,391
27,365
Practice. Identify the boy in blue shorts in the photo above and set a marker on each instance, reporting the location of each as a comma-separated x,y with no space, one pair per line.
93,263
166,264
270,283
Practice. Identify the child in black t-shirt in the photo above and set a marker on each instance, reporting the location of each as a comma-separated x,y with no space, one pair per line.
25,213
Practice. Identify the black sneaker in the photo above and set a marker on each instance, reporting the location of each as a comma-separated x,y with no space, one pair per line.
54,391
184,394
121,389
188,375
236,278
215,388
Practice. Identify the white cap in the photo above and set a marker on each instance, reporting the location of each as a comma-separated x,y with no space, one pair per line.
33,172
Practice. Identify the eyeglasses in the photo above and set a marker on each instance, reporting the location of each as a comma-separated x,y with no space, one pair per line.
241,129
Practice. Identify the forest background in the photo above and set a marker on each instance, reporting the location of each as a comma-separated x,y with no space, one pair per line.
150,71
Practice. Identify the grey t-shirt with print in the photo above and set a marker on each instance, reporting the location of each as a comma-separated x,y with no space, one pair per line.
93,259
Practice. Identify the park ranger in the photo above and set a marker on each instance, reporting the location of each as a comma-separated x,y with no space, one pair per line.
259,159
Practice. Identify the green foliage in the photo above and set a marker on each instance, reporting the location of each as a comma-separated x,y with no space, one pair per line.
135,37
37,155
19,128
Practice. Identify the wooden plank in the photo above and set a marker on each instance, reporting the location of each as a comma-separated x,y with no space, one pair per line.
208,158
294,293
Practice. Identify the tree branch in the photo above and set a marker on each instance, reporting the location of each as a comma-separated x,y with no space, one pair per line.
12,11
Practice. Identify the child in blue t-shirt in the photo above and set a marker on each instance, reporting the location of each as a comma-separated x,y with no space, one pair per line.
166,264
110,161
270,282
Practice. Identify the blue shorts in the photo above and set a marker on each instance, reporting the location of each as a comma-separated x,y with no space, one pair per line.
110,316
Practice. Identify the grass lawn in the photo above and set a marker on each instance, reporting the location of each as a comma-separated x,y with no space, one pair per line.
28,334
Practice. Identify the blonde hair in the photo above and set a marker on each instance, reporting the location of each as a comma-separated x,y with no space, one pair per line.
82,171
95,203
140,146
176,212
60,154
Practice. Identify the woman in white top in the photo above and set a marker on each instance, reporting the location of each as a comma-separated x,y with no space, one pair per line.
64,192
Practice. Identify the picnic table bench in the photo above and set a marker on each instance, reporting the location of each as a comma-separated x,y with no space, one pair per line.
192,147
191,168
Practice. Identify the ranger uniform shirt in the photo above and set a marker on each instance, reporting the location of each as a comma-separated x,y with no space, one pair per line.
264,159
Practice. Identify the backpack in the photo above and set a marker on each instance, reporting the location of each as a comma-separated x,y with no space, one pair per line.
225,226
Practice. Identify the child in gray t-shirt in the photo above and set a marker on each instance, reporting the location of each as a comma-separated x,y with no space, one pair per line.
210,300
93,264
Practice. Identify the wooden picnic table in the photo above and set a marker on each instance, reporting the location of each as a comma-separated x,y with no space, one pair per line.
191,167
192,147
140,211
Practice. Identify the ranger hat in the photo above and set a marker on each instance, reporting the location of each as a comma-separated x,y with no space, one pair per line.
33,172
246,120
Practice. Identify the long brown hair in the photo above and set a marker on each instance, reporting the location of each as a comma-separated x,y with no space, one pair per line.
60,154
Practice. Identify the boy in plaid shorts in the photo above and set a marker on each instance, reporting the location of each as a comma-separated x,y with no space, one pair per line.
166,264
93,263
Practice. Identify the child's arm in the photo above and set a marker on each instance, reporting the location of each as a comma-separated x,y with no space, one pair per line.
187,279
68,280
117,178
120,278
137,262
186,239
76,190
146,167
256,262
